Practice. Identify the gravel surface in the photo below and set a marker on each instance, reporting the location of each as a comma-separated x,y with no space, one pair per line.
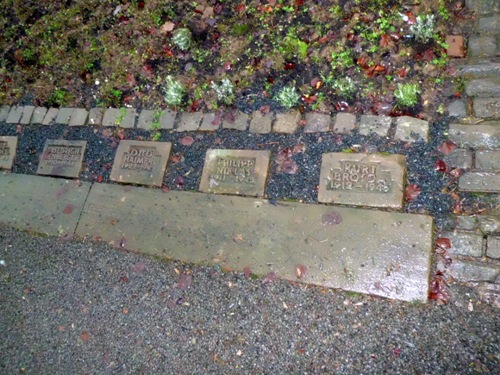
78,308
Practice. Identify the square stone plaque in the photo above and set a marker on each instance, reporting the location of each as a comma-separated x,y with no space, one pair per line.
241,172
141,162
62,158
7,151
372,180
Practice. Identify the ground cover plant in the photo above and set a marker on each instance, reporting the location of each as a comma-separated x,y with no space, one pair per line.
374,56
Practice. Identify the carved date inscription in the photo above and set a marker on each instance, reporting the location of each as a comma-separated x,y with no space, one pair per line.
65,156
4,151
360,177
140,158
7,151
237,170
62,158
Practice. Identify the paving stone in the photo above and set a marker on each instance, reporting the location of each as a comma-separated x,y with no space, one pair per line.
189,121
482,46
4,112
464,270
488,160
379,125
62,158
487,107
122,117
459,158
463,243
79,117
367,251
483,87
15,114
481,182
467,223
411,129
484,135
63,116
317,122
96,116
493,247
457,108
146,119
480,69
51,206
8,147
372,180
456,47
483,6
167,119
207,124
50,116
38,115
488,24
344,122
489,224
287,123
241,172
240,122
261,123
156,119
27,114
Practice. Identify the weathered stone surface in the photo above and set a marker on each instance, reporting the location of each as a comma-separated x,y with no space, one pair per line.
189,121
27,114
167,119
468,223
4,112
483,182
488,24
240,122
62,158
483,6
146,119
488,160
140,162
50,116
317,122
123,117
261,123
489,224
382,253
8,147
79,117
362,179
459,158
379,125
457,108
411,129
487,107
14,115
463,243
38,115
208,124
344,122
156,119
481,69
493,247
484,135
483,87
63,116
287,123
482,46
95,116
464,270
456,47
42,204
241,172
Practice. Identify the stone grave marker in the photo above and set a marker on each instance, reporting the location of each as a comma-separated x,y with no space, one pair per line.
372,180
7,151
141,162
240,172
62,158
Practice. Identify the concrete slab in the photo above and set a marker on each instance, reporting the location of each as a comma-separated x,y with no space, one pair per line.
481,182
241,172
14,115
7,151
240,121
38,115
41,204
79,117
366,251
189,121
62,158
111,117
64,115
50,116
411,129
4,112
95,116
344,122
261,123
317,122
140,162
379,125
372,180
27,114
287,123
207,124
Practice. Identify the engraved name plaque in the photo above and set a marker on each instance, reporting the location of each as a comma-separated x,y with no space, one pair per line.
62,158
7,151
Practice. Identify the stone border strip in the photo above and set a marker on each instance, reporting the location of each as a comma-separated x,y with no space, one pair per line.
408,129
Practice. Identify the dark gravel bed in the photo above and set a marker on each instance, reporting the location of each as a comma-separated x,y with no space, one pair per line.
186,163
68,307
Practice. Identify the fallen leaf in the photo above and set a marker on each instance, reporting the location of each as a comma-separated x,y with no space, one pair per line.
269,278
184,281
411,192
85,336
289,167
179,182
331,218
447,147
138,267
68,209
247,272
443,243
187,140
167,27
440,166
300,271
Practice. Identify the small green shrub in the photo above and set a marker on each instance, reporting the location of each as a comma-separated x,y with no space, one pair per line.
407,94
182,38
423,29
288,97
174,91
224,91
344,87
